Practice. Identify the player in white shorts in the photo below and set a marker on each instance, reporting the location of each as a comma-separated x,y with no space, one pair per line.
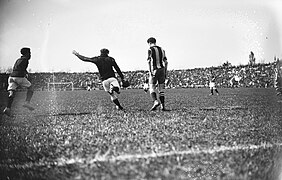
105,65
212,85
17,78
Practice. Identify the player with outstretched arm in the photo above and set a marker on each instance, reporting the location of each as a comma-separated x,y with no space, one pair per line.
105,65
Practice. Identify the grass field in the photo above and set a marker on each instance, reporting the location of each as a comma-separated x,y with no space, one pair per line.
79,135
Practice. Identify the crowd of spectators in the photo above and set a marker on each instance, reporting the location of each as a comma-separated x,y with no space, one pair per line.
258,75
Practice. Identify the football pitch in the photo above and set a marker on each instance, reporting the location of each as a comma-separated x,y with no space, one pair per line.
80,135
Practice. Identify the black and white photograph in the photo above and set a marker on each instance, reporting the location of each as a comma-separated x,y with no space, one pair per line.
140,90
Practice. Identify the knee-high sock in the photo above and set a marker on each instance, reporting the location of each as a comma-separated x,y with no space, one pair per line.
29,95
162,98
115,99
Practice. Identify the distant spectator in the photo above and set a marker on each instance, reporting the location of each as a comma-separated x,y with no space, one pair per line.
252,59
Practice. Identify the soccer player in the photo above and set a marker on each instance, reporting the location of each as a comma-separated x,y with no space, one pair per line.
17,78
157,62
235,81
278,78
212,85
105,65
146,85
88,85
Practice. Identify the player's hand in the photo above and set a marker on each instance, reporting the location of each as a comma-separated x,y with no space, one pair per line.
153,73
75,53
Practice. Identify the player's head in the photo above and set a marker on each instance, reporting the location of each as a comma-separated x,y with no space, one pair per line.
25,52
104,51
151,40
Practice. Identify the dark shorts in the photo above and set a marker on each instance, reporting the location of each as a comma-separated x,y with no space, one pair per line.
159,76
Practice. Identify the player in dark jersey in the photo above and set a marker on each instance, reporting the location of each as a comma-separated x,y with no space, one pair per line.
105,65
17,78
157,73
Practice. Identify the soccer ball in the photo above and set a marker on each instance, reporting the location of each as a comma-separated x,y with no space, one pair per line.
125,83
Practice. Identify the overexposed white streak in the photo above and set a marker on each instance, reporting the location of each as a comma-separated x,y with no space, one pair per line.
134,157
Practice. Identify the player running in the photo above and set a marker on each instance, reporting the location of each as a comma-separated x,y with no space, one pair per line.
17,78
105,66
157,73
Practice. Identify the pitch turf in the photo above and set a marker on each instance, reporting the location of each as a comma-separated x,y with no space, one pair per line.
80,135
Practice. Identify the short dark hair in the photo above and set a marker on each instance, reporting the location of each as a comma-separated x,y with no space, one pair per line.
104,51
151,40
25,51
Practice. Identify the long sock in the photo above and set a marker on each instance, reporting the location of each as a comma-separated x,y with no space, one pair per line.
116,101
29,95
162,98
154,96
212,91
10,101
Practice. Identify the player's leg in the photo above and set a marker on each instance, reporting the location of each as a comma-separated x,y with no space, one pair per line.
116,88
12,86
215,89
211,91
111,85
25,83
161,82
114,85
153,92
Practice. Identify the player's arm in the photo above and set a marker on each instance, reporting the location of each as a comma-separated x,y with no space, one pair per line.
83,58
149,60
165,64
118,70
25,68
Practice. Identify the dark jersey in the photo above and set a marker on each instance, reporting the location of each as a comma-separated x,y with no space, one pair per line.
157,55
105,66
19,69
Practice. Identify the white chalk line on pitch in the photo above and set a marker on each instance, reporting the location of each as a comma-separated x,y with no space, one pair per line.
133,157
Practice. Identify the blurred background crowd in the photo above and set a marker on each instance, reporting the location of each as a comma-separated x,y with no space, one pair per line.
251,75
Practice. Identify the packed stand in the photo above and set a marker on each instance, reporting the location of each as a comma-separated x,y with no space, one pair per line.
257,75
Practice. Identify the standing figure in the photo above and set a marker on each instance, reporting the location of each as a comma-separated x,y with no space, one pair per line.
212,85
88,84
235,81
252,59
105,65
146,85
17,78
157,62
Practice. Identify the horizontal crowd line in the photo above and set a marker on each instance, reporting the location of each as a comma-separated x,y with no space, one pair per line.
133,157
